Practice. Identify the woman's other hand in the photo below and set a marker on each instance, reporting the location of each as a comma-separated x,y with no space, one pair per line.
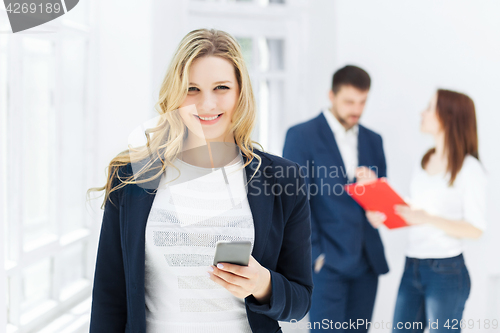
242,281
412,216
376,219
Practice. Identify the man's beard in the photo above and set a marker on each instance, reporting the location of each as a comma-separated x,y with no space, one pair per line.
341,120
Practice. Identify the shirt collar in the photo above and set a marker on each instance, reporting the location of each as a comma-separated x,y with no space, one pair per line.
337,127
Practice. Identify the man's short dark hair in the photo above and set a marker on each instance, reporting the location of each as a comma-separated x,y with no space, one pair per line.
351,76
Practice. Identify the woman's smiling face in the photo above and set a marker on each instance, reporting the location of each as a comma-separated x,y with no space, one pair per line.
211,100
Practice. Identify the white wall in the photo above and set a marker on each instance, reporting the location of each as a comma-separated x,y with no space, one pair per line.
122,33
322,45
126,97
410,48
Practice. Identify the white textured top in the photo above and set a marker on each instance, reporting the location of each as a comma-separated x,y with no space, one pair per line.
465,200
347,142
187,218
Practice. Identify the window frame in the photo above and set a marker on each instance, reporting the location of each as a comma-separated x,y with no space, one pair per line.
50,246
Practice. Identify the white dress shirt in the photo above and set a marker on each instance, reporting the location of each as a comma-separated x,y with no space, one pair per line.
465,200
347,142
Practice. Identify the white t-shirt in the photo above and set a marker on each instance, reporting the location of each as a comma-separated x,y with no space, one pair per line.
187,218
464,201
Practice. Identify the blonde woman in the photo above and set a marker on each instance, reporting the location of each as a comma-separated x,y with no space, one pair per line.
154,270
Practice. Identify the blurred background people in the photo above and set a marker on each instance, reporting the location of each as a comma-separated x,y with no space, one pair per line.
348,254
448,204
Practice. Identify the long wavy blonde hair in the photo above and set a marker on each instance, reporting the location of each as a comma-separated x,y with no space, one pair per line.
165,141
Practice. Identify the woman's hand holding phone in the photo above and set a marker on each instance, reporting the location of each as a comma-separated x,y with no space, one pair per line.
243,281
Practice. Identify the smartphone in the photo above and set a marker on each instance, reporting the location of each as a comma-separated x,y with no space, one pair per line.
237,252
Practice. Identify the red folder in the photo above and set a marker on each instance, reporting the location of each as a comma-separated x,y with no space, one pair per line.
378,196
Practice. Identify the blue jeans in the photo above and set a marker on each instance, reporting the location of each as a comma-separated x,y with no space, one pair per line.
432,294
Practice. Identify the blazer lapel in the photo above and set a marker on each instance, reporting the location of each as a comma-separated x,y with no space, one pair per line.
261,201
138,205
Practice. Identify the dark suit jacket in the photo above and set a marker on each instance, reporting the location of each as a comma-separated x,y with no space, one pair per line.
282,245
340,229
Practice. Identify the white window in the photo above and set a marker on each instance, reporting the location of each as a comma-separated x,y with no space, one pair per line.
44,119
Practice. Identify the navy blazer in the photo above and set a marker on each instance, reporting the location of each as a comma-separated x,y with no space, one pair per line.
340,229
282,244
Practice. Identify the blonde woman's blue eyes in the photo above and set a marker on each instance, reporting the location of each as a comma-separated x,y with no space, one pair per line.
216,88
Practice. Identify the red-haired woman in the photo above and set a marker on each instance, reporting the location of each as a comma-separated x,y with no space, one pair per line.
448,193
